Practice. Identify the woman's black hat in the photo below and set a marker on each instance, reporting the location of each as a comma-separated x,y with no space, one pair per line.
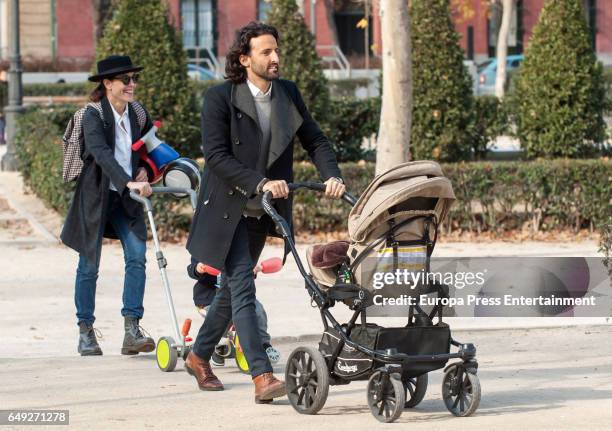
114,65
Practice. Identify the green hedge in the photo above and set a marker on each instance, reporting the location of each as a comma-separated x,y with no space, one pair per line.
66,89
3,95
39,149
491,196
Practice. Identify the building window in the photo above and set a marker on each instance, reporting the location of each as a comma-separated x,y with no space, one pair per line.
197,23
590,12
263,7
515,34
350,36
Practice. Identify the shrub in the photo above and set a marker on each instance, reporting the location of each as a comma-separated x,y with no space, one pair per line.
3,95
606,245
351,121
299,60
141,29
67,89
346,87
491,196
39,151
559,90
442,87
489,120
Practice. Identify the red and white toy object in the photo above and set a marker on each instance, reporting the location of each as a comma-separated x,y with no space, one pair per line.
154,153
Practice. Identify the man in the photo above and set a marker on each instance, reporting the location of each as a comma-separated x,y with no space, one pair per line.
248,127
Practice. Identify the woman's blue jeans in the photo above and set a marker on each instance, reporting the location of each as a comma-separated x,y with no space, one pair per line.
134,252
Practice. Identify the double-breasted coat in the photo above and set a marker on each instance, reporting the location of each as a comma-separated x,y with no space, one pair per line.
231,140
86,222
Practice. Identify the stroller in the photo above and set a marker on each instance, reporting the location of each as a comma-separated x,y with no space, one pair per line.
395,220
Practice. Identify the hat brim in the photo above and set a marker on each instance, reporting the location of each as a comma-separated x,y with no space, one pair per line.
114,72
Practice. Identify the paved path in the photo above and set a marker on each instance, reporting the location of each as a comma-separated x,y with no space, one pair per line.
533,379
552,378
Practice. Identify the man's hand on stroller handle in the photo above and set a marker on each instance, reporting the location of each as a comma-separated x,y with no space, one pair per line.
334,188
279,188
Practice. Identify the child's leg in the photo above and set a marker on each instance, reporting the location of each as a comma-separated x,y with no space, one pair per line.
199,294
262,323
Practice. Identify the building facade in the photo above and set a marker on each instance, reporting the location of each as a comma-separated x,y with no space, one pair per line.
62,30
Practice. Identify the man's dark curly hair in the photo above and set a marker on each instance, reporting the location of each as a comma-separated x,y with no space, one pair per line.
235,71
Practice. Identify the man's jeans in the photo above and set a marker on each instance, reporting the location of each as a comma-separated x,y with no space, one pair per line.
134,252
235,301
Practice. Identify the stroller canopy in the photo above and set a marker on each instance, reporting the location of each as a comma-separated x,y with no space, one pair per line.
399,193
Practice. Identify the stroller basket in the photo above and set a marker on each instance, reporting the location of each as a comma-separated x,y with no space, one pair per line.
412,340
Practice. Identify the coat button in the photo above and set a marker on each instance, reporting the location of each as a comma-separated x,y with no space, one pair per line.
231,193
225,216
236,141
239,115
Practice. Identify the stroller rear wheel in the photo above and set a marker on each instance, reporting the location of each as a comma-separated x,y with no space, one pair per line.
460,391
415,390
386,396
307,380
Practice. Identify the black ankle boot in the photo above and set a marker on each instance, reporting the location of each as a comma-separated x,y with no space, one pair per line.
134,342
88,344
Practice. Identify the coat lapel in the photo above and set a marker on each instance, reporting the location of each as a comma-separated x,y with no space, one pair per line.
109,122
285,120
243,100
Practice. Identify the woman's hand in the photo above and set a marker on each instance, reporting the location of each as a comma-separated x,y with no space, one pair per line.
142,187
141,175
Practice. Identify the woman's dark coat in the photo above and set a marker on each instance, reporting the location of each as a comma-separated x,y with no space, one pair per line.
231,143
86,221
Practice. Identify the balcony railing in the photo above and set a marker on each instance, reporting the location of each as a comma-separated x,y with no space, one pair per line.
333,55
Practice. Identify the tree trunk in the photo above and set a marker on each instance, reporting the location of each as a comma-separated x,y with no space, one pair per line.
502,47
393,146
100,14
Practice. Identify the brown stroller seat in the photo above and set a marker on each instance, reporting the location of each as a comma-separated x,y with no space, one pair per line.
324,260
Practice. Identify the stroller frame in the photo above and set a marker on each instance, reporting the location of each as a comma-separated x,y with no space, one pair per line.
388,366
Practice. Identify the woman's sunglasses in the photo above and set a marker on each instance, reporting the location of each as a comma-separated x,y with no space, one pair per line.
125,79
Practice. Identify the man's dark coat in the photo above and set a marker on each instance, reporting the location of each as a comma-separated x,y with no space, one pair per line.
231,139
86,221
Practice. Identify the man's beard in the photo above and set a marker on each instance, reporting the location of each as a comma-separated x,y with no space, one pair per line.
265,73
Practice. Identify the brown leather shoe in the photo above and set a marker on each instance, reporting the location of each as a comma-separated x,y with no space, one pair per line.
268,387
200,369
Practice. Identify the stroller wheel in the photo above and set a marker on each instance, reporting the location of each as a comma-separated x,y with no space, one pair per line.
460,391
415,390
386,396
166,354
307,380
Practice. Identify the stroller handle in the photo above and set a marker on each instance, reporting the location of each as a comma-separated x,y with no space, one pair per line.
279,221
175,190
346,196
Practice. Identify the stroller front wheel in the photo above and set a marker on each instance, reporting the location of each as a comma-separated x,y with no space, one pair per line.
386,396
307,380
460,391
166,354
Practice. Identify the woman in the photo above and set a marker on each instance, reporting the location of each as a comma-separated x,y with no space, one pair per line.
102,206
